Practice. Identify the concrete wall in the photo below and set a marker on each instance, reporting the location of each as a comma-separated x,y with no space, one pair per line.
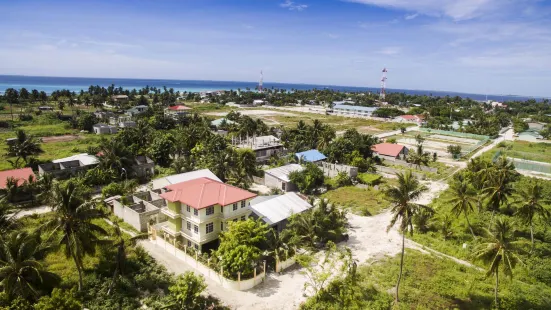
139,220
331,170
273,182
207,272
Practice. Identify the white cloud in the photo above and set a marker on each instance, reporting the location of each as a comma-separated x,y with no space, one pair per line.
455,9
292,6
389,51
411,16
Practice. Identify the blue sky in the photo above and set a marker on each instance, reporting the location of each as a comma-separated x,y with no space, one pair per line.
480,46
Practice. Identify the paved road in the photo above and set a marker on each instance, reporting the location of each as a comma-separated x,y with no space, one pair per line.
508,135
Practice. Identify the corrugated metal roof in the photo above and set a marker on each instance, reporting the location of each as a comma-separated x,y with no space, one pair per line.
279,208
354,107
283,172
182,177
388,149
311,156
84,158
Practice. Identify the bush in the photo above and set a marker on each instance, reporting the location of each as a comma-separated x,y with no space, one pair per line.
342,179
369,179
112,189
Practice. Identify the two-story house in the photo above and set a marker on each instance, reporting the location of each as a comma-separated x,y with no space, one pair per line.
198,210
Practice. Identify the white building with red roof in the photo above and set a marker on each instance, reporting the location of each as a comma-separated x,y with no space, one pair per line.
199,209
177,110
390,151
416,119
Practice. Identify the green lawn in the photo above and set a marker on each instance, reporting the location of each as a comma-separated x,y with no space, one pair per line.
358,200
525,150
430,282
52,150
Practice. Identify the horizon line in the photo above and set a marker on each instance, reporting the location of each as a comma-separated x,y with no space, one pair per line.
287,83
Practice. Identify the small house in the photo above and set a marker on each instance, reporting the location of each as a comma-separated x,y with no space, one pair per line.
390,151
104,129
20,175
276,210
312,156
279,177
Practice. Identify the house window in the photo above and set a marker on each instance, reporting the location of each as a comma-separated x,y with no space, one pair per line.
195,212
189,226
243,204
243,218
188,243
210,227
234,206
188,209
196,246
283,185
221,225
196,229
221,209
210,210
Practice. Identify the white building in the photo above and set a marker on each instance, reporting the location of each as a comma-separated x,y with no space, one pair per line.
279,177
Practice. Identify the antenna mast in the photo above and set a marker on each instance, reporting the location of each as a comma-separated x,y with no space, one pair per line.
383,85
260,88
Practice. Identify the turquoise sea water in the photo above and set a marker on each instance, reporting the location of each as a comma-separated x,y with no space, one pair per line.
49,84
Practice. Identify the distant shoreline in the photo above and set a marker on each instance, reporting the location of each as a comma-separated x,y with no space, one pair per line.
49,84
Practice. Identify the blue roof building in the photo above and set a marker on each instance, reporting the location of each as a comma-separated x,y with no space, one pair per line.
311,156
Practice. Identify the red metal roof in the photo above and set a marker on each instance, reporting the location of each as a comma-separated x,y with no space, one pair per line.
179,108
408,117
388,149
203,192
21,175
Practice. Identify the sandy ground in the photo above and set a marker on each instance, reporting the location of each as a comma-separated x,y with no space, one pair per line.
283,292
255,113
65,138
369,239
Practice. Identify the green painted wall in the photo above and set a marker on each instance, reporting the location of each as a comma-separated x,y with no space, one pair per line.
175,224
174,206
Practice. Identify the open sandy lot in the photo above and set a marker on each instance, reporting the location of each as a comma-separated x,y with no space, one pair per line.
65,138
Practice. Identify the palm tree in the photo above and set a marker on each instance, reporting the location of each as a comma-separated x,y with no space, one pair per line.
120,244
21,273
531,202
24,146
498,191
114,155
404,208
500,249
464,197
6,215
73,221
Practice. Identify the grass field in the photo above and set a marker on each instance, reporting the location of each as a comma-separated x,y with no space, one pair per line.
52,150
359,201
525,150
430,282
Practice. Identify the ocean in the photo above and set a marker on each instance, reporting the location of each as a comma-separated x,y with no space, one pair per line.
49,84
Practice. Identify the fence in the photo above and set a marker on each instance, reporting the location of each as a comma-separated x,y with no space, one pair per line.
331,170
207,272
454,133
465,150
406,164
525,164
396,171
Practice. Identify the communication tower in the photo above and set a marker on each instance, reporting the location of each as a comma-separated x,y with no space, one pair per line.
260,88
383,84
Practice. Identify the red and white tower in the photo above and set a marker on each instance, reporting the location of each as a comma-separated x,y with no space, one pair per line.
260,88
382,95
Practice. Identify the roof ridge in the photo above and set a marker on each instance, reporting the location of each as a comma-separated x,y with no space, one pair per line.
201,195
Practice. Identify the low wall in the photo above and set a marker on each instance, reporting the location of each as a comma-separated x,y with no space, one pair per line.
240,285
395,171
331,170
406,164
280,266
